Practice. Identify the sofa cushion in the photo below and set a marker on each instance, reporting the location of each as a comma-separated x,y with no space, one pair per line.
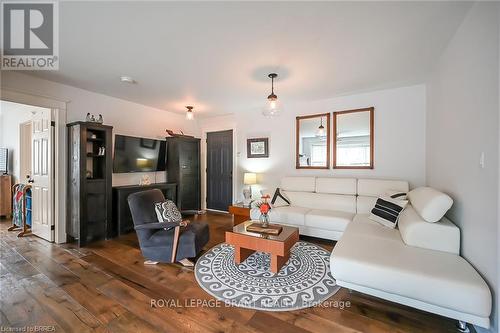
363,226
328,219
365,204
287,215
440,236
429,203
370,189
336,185
345,203
300,184
387,211
373,256
377,187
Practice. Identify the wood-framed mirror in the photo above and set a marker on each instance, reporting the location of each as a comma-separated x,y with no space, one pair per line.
313,141
353,139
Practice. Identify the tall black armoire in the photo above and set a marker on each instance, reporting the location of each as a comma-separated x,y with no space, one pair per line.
89,206
183,168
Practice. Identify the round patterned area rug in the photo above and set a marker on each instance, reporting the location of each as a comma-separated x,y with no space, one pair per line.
305,280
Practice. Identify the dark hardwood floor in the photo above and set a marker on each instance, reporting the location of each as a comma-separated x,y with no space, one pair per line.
107,288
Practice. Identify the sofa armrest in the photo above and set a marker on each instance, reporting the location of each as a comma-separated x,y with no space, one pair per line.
440,236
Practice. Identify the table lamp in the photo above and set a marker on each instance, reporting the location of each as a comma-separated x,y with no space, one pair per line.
249,178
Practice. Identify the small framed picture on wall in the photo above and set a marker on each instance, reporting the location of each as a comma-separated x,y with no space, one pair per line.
258,147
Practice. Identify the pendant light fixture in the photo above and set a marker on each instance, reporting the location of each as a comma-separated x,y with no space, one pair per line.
273,106
189,113
321,129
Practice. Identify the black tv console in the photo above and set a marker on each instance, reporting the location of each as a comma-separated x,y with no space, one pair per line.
122,218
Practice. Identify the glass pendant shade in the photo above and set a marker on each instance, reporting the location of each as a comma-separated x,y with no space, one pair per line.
273,107
321,129
189,113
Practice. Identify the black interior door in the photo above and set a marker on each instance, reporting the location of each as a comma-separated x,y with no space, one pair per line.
219,170
189,174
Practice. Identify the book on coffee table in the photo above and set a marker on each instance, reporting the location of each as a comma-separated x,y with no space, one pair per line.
271,229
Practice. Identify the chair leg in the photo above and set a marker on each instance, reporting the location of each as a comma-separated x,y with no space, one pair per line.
186,262
462,327
176,241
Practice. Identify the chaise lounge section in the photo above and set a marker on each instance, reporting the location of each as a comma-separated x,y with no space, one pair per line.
374,260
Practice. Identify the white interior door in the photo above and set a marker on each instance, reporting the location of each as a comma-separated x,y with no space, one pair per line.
25,144
42,175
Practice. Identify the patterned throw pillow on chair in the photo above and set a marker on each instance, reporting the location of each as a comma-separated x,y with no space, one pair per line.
167,212
387,211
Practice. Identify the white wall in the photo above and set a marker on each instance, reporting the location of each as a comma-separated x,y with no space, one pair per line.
399,137
126,117
462,122
12,115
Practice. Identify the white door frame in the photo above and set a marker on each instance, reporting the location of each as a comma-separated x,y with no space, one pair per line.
204,162
59,108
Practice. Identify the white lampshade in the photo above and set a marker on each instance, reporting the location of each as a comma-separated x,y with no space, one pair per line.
250,178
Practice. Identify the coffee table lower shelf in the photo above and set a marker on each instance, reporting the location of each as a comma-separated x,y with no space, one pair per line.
245,243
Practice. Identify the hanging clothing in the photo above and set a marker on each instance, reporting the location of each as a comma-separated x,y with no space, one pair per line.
18,203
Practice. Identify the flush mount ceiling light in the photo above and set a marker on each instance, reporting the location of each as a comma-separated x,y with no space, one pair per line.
273,106
321,129
127,79
189,113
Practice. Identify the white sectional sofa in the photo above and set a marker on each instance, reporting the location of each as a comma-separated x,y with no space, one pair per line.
418,264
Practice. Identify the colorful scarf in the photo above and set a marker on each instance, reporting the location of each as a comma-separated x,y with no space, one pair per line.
18,199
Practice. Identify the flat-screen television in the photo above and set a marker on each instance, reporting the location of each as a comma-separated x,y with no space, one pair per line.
134,154
4,161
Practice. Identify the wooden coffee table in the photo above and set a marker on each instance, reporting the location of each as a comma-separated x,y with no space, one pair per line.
278,246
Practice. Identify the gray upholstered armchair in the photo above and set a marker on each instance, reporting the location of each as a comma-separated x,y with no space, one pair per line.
164,242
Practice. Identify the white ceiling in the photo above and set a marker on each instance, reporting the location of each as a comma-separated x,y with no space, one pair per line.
217,55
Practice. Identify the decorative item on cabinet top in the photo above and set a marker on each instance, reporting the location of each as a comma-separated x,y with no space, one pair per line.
178,135
92,119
